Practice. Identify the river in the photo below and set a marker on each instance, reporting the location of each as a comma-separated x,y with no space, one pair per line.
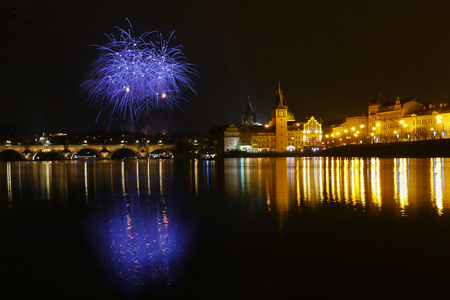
231,228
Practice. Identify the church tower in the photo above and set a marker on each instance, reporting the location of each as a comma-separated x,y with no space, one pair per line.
279,121
249,116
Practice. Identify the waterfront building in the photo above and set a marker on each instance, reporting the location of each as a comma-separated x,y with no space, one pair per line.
310,136
281,134
279,122
231,138
352,131
385,117
429,122
388,122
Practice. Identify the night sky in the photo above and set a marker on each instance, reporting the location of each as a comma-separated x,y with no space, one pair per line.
330,56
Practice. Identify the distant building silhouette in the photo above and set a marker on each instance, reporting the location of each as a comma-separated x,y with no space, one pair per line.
249,116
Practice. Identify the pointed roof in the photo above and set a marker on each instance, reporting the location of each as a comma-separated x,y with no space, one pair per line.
249,107
381,98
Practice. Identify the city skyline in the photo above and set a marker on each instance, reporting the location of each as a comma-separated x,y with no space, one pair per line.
330,58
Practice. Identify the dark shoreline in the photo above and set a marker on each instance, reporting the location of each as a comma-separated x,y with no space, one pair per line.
430,148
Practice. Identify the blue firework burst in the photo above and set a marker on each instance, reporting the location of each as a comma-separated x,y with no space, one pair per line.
132,75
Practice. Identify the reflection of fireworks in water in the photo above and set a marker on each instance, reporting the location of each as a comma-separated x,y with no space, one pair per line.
132,75
139,246
142,240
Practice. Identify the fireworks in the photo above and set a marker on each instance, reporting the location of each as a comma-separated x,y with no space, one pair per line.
133,75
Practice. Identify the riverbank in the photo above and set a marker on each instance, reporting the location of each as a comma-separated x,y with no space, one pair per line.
430,148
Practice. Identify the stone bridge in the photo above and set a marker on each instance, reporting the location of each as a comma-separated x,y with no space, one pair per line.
69,151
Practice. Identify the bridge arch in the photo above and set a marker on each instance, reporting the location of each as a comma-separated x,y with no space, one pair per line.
47,154
161,153
10,155
85,153
123,153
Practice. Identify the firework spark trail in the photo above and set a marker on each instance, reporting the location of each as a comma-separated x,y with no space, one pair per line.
132,75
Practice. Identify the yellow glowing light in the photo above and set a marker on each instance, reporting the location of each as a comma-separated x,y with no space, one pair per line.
438,117
345,130
378,124
267,125
338,133
361,126
401,121
353,128
373,128
405,125
395,132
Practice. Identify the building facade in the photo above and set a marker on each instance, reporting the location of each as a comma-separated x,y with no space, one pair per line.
281,134
388,122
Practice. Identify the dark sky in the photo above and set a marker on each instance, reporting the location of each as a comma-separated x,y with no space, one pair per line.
330,56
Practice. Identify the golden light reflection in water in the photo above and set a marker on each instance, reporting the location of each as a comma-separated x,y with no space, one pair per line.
436,180
344,180
375,182
287,183
267,189
137,179
196,176
45,176
9,181
305,181
401,180
338,180
297,186
86,181
123,175
346,184
148,179
332,180
278,185
281,189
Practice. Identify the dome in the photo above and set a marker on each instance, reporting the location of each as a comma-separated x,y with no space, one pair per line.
290,117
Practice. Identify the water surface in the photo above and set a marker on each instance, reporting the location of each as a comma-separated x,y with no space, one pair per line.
244,227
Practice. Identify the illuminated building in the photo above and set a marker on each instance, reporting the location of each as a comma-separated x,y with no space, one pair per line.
352,131
388,122
279,122
231,138
385,117
282,134
429,122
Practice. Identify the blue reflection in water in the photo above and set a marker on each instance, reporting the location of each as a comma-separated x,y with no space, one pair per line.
142,241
